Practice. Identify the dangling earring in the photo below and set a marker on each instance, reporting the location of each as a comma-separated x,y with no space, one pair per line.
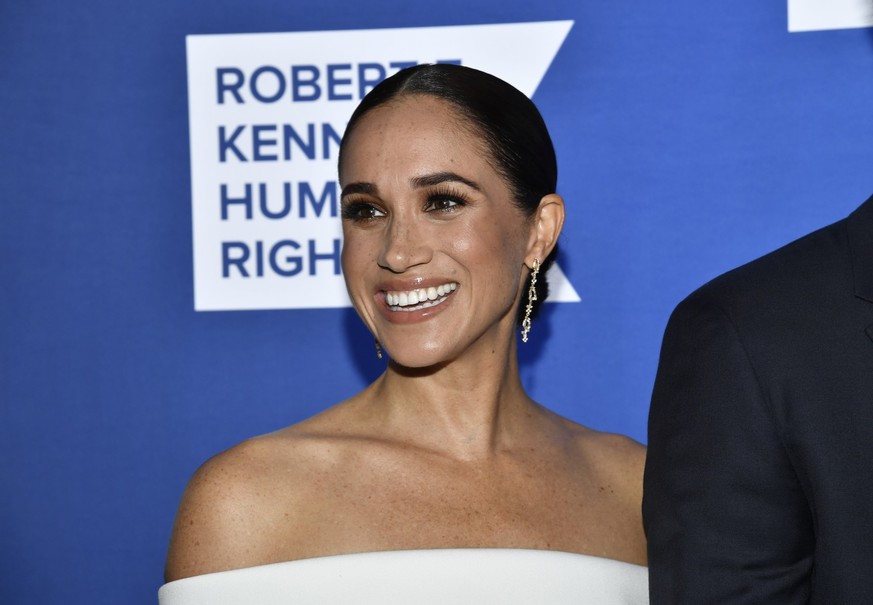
531,297
378,348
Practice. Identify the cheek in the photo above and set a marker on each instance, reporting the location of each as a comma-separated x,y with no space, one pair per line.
482,236
494,253
354,258
355,265
345,257
481,251
464,242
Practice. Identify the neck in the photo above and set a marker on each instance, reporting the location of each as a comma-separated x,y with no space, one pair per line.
465,408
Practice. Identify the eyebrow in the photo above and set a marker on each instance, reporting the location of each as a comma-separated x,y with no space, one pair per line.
351,188
429,180
418,182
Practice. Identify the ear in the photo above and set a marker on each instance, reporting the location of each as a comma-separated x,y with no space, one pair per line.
548,220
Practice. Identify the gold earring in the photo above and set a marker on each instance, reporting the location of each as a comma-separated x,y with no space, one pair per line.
378,348
531,297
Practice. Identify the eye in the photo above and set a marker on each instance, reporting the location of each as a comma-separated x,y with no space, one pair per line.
361,211
444,202
441,204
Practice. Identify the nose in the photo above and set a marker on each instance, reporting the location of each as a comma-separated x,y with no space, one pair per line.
406,245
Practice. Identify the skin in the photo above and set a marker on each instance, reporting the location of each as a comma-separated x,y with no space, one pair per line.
445,449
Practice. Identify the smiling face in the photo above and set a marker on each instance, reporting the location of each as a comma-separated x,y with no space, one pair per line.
434,249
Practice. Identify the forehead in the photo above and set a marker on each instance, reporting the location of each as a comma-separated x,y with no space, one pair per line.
417,110
413,128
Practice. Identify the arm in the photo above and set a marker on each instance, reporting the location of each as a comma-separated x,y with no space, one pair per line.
725,516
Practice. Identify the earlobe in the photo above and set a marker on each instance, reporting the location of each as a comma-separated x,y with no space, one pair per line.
548,222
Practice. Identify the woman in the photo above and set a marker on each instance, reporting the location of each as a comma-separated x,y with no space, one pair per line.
450,218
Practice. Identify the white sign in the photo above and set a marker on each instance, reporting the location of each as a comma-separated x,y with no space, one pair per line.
266,114
811,15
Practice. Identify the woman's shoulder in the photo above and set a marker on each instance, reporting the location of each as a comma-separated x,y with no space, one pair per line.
607,448
250,468
299,448
235,501
603,475
612,456
615,449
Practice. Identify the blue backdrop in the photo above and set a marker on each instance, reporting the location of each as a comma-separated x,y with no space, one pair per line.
693,135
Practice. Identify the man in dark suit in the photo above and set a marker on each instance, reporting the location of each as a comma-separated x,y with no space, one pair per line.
759,479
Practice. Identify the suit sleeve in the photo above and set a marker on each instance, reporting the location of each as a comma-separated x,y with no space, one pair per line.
725,515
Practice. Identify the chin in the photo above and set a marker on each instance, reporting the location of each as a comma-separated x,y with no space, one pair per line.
419,357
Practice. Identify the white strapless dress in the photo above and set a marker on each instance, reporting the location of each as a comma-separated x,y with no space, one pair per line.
442,576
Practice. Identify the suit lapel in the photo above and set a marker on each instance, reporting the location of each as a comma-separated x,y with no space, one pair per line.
860,229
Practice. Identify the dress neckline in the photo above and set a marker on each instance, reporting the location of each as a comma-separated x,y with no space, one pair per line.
443,576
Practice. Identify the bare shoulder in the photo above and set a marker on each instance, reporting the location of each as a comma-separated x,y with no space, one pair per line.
619,453
216,516
614,453
615,463
238,507
236,500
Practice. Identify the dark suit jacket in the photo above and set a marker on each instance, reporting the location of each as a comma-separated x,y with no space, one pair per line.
759,478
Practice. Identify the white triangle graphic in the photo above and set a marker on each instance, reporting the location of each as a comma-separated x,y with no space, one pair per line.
560,288
813,15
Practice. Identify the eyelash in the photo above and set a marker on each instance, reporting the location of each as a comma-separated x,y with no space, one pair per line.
354,210
445,195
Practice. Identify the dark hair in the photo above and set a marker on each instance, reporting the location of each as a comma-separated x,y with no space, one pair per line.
511,126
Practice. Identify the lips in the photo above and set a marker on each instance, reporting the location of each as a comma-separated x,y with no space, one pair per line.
419,298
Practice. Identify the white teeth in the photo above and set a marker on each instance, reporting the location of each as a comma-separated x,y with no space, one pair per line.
411,300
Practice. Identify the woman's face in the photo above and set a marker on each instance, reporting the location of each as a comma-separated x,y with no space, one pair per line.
434,248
